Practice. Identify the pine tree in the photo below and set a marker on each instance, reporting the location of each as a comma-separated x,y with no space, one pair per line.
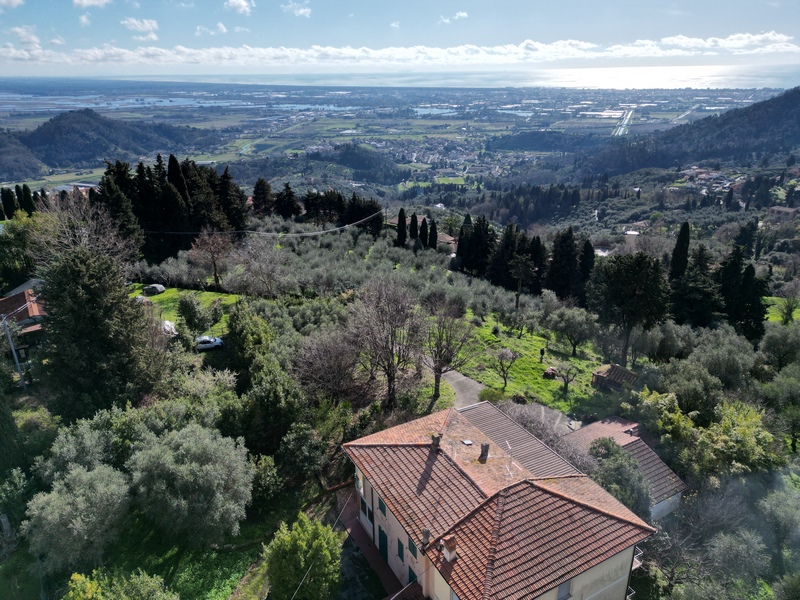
413,227
401,229
286,204
423,233
680,254
433,236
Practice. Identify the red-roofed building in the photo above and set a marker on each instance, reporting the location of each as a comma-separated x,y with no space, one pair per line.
23,309
666,487
466,504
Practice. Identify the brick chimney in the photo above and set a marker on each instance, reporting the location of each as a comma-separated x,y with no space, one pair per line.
436,438
450,553
484,452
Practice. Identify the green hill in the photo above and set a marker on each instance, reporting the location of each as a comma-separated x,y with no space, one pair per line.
85,138
768,127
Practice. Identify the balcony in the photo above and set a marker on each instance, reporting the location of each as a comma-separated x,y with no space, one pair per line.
637,558
631,593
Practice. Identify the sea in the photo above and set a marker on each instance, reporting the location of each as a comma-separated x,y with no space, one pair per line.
784,76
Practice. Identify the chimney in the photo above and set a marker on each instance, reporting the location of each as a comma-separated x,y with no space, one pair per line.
484,452
426,537
450,553
436,438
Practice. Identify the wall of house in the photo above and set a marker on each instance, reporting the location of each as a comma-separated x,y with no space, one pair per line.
441,591
394,532
665,507
606,581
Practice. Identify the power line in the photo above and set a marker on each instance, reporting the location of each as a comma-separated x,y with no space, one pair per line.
271,234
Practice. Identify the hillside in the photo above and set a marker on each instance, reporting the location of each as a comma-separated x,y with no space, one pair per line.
85,138
741,135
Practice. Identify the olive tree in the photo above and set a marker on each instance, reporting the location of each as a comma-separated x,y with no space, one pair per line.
72,525
193,483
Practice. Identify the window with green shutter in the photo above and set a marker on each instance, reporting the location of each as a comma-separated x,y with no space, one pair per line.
412,547
400,551
381,507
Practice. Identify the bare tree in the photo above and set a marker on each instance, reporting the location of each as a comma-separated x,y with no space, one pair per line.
69,221
502,361
209,251
266,271
567,373
386,325
327,364
447,343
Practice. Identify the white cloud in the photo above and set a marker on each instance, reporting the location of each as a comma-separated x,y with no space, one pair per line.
259,58
395,24
150,37
221,28
84,20
25,35
243,7
10,4
241,30
140,25
58,41
90,3
298,9
447,20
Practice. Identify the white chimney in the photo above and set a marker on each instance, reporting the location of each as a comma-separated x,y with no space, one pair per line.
450,553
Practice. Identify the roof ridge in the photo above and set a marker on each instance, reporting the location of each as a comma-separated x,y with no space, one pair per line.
446,420
355,443
498,518
592,506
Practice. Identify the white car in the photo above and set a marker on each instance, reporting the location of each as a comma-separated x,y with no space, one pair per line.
206,342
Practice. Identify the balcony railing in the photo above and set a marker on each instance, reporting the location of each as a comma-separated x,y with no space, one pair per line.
631,593
637,558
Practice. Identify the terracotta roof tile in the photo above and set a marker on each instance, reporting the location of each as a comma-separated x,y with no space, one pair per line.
516,535
663,482
526,540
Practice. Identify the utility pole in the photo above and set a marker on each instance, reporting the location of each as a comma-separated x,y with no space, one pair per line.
14,353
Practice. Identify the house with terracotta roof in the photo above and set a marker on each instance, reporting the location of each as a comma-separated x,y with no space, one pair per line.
24,309
666,488
613,377
465,504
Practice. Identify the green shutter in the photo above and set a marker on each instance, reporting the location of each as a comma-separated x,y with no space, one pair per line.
412,547
381,507
400,551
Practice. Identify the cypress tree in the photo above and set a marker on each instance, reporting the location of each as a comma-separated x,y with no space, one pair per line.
26,203
262,198
413,227
423,232
433,236
9,200
400,242
176,178
563,276
680,254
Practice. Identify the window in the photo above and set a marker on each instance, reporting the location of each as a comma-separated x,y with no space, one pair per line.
381,507
412,547
564,591
363,506
412,577
370,515
400,551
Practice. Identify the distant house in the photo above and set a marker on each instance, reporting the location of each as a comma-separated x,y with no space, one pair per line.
666,487
613,377
466,504
24,309
783,213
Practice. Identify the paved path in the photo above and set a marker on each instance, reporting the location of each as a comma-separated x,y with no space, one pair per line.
467,389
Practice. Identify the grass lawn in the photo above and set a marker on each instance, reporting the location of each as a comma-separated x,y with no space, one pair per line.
772,309
167,304
525,377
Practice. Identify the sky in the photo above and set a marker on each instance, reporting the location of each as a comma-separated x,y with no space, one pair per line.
206,37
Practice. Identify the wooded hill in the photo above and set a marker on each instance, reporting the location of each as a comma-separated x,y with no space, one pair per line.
743,135
85,138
